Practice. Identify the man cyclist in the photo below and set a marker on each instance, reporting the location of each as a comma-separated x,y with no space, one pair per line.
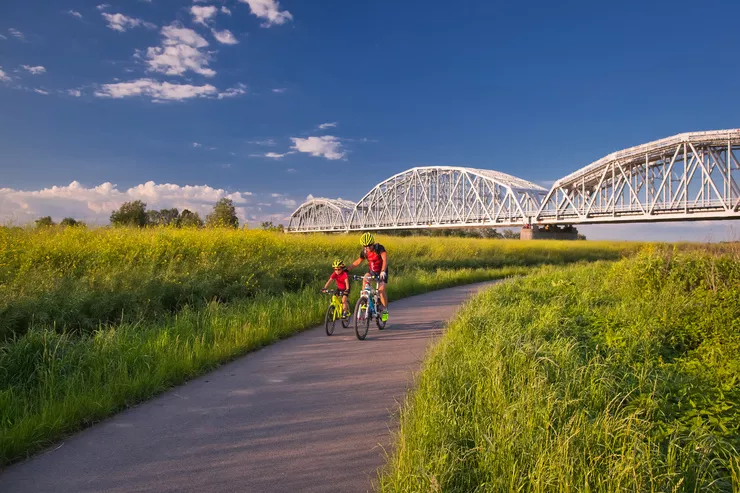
377,262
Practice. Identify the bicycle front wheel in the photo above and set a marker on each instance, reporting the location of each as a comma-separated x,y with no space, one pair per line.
362,318
329,320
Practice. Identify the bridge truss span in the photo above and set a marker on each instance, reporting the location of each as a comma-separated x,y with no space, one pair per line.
689,176
447,196
321,214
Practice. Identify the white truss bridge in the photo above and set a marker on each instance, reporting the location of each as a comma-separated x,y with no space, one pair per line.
690,176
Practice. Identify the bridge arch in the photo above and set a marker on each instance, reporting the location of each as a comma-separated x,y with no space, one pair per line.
687,176
447,196
322,214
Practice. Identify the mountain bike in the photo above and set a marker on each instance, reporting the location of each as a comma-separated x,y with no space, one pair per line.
334,311
367,307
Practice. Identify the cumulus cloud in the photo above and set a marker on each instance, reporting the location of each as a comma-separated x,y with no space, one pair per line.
181,50
224,37
268,10
3,76
158,91
41,91
232,92
74,92
122,23
197,144
37,70
16,34
225,10
103,6
326,146
202,14
96,204
324,126
74,13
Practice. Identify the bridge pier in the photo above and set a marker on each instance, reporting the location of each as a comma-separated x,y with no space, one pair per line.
548,232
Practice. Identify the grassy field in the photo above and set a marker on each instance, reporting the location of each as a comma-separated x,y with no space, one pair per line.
75,278
603,377
97,320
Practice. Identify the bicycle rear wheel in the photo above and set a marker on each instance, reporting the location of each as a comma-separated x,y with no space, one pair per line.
362,319
329,320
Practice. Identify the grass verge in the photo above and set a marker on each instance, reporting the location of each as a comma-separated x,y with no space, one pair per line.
52,384
604,377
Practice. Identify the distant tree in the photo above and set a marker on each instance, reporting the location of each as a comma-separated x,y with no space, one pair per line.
581,236
169,217
70,221
223,215
268,226
165,217
190,219
44,222
511,235
130,214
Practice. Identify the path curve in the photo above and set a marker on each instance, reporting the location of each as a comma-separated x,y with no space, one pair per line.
307,414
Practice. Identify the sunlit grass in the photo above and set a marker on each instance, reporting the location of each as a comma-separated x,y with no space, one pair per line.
52,383
602,377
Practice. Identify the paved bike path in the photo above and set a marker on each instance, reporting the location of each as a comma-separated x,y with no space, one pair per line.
308,414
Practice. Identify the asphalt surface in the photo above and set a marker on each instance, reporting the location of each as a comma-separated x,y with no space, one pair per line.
308,414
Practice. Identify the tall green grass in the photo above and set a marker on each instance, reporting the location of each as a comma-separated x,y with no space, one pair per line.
54,383
74,278
604,377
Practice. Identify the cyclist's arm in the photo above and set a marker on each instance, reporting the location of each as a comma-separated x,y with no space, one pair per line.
384,257
327,284
355,263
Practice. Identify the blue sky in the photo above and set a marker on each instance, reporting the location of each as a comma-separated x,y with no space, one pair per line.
227,97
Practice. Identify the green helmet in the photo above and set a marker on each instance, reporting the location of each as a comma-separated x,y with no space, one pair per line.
367,239
337,264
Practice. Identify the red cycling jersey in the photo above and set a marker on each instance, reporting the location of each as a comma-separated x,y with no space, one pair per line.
342,280
374,260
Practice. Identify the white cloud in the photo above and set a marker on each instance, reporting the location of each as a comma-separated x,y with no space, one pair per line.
103,6
3,37
224,37
74,92
275,155
121,23
202,14
290,170
96,204
196,144
159,91
327,146
225,10
267,142
181,51
324,126
279,90
3,76
275,195
268,10
74,13
232,92
16,34
41,91
37,70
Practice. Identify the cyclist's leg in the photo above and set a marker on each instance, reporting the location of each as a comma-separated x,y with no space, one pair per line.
345,302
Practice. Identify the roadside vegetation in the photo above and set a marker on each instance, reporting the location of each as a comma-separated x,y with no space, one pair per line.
95,320
611,376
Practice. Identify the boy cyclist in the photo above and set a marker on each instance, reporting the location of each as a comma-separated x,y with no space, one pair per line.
340,277
377,263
